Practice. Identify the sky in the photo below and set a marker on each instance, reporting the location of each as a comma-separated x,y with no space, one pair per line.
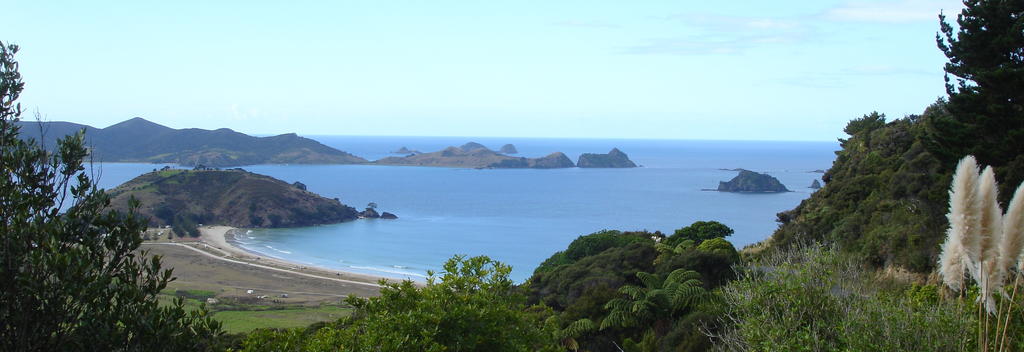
739,70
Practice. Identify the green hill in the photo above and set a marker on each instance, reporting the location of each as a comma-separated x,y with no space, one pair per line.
226,197
139,140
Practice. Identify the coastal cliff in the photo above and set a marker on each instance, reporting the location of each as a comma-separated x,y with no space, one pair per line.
226,197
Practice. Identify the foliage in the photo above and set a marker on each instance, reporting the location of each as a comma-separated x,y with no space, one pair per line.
473,306
588,245
817,299
884,198
984,76
699,232
721,247
71,277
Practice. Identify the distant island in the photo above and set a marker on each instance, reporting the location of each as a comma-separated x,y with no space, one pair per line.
476,155
508,149
404,150
139,140
751,182
614,159
815,185
187,198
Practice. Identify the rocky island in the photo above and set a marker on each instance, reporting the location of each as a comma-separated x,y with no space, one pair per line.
185,199
751,182
614,159
404,150
815,185
475,155
508,149
139,140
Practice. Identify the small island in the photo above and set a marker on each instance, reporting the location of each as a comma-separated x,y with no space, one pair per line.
614,159
477,156
187,198
508,149
404,150
752,182
815,185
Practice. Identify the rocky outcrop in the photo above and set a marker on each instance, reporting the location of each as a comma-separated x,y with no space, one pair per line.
388,216
815,184
299,185
226,197
556,160
471,146
614,159
508,149
752,182
369,213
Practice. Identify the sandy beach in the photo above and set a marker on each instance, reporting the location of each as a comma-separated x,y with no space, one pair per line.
215,240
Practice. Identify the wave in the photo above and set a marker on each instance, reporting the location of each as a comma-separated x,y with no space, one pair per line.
389,271
278,250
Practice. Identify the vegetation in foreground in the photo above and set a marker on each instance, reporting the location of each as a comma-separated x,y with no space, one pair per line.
72,281
70,275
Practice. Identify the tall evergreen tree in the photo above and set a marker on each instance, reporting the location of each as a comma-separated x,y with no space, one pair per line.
985,82
71,278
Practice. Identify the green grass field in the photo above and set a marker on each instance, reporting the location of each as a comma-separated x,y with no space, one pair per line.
236,321
244,318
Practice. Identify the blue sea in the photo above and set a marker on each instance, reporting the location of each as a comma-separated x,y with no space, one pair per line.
522,216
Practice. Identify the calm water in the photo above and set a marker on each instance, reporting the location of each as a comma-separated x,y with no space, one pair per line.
521,217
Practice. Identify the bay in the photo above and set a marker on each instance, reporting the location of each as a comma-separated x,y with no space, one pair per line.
522,216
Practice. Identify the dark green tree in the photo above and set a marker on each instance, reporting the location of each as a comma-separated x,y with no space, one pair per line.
71,278
472,306
985,82
698,232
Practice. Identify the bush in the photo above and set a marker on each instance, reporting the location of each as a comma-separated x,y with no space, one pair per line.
814,298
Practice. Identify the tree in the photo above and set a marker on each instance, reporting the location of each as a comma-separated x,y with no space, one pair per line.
699,231
472,307
70,275
657,302
984,116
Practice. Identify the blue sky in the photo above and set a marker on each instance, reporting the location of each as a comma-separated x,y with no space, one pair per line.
745,70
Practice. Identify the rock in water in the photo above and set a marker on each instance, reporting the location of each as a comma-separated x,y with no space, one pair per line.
614,159
508,149
815,184
752,182
369,213
388,216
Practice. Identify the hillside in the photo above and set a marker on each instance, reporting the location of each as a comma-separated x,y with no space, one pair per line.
139,140
475,155
229,197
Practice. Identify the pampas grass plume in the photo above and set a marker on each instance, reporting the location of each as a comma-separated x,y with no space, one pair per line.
963,219
1011,247
988,236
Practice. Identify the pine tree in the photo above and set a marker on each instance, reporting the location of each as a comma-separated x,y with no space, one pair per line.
984,115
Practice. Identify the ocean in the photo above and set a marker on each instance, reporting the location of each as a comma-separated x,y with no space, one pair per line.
522,216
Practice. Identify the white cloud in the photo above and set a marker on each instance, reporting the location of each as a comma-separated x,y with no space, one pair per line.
897,11
724,35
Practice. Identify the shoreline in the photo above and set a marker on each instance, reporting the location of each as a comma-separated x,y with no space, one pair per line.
215,238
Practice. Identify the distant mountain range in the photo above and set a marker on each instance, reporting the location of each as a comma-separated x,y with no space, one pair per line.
139,140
